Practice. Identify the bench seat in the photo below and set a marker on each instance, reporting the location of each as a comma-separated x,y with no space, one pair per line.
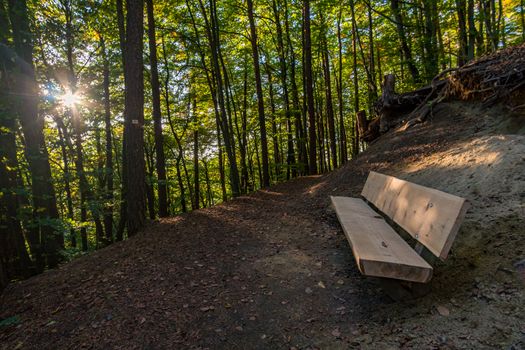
379,251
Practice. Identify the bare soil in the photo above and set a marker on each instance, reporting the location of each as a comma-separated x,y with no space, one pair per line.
273,270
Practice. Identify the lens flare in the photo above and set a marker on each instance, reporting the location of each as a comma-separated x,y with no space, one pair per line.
70,99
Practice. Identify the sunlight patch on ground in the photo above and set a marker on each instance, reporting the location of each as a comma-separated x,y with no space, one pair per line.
489,171
285,263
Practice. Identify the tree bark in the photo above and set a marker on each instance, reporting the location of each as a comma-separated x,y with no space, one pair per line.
340,102
157,119
51,241
14,259
309,88
123,187
196,156
275,139
108,207
134,118
462,32
283,74
260,100
329,104
405,49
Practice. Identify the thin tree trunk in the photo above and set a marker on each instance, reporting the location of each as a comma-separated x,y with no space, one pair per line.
157,119
67,183
260,100
462,32
213,36
108,207
243,142
123,205
196,155
86,194
290,153
329,103
522,17
297,111
340,102
209,195
275,141
309,87
150,193
405,49
372,86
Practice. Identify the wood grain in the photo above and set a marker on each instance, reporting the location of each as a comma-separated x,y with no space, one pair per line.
432,217
379,251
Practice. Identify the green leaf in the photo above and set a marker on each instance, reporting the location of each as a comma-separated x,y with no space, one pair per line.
10,321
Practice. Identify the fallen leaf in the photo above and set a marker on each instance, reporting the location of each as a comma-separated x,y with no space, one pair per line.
443,311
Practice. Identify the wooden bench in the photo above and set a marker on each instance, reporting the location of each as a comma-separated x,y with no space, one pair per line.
430,216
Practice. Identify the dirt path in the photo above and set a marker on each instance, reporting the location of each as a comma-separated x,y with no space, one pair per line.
273,271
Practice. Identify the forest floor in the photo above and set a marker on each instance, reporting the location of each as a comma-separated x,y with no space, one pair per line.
273,270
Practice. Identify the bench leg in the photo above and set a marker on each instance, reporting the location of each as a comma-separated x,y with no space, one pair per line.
402,290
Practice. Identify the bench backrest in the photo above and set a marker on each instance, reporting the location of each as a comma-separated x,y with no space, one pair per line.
432,217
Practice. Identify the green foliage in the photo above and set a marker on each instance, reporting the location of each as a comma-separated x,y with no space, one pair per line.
10,321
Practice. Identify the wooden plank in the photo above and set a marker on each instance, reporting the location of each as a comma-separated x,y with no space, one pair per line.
432,217
379,251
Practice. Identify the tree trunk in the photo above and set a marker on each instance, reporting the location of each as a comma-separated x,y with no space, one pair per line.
290,154
309,88
150,176
14,259
329,104
275,140
26,106
342,131
462,32
372,85
157,119
108,207
213,36
522,17
260,100
405,49
67,181
243,141
86,194
430,41
472,32
123,206
196,156
134,118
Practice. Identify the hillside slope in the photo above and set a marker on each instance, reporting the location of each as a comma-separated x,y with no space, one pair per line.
273,269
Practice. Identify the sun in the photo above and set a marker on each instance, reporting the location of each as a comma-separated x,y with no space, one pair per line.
70,99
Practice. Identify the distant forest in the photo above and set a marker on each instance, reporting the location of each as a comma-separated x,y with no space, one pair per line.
113,112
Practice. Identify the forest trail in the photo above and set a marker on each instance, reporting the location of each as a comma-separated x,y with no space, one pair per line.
273,270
